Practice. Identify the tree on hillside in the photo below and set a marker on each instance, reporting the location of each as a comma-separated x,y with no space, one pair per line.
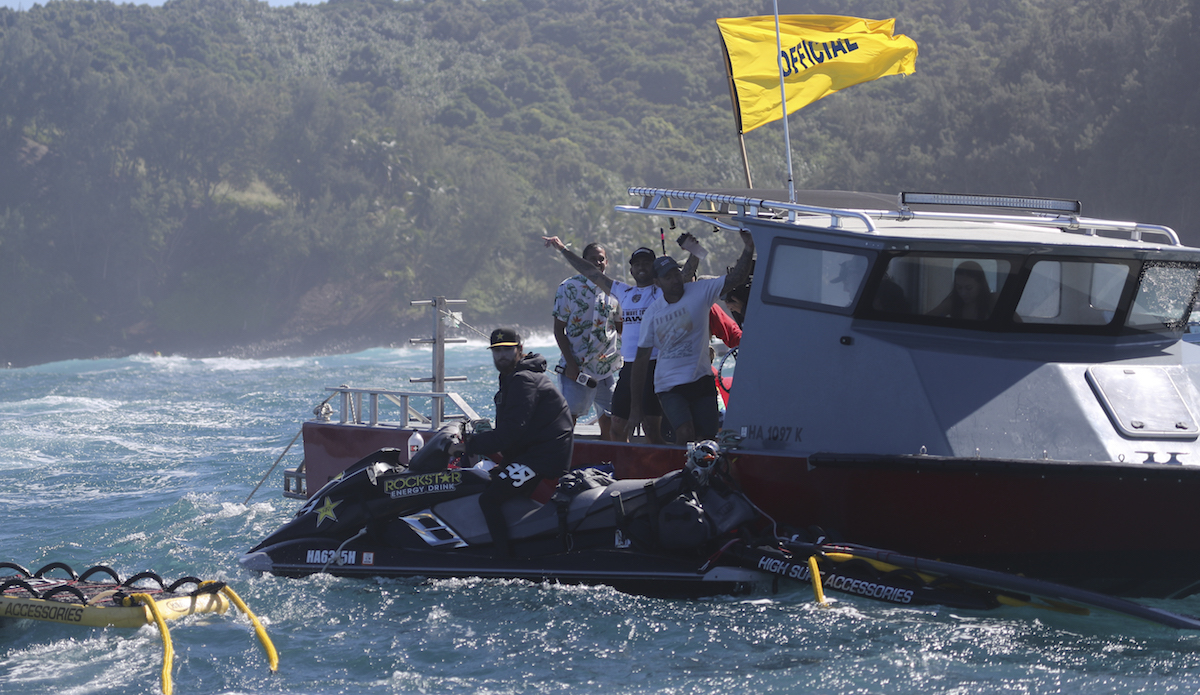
218,171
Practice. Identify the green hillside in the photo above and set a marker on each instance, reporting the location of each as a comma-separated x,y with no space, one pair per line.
213,173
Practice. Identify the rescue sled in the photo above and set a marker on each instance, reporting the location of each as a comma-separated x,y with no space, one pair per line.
99,598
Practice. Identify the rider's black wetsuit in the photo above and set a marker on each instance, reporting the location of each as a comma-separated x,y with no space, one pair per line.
534,434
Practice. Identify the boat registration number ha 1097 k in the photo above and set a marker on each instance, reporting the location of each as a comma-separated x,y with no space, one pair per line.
772,433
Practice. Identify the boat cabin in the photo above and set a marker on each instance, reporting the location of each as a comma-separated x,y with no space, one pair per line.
958,326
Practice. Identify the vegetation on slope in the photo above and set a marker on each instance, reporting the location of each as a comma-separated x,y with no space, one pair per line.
217,172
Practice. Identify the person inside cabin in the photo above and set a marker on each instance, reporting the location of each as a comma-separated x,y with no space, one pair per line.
971,298
587,331
677,324
633,300
889,297
534,432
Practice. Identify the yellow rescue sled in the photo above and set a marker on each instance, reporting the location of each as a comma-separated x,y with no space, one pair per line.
99,598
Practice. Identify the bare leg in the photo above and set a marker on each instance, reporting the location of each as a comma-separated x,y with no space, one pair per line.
620,429
605,423
653,429
652,426
685,433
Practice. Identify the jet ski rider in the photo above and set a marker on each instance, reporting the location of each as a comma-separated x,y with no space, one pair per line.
533,432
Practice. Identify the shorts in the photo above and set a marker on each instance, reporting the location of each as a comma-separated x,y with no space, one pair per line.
621,401
695,403
580,397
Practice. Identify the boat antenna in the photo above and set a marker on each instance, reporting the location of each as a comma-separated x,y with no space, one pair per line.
787,140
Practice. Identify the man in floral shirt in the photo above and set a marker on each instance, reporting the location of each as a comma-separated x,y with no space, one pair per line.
588,334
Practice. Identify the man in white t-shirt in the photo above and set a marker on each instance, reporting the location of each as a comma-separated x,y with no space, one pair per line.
676,324
633,300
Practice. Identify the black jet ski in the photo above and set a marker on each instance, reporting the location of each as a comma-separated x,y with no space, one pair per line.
688,533
383,517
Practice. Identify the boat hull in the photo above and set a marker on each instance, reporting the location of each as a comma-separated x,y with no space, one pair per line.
1124,529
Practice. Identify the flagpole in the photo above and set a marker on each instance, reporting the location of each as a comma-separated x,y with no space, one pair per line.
737,110
787,140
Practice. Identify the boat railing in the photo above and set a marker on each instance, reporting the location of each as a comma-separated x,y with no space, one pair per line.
374,410
365,406
351,399
710,207
379,408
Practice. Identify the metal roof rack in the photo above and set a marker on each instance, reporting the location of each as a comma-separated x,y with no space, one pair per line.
1048,213
721,204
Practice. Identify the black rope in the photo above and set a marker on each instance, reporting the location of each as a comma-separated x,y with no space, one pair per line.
145,575
65,589
19,583
55,566
120,594
99,569
15,566
210,588
181,581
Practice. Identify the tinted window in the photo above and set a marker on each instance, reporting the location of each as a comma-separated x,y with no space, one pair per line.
942,286
1081,293
810,275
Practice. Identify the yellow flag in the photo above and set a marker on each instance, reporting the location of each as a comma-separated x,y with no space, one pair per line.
821,54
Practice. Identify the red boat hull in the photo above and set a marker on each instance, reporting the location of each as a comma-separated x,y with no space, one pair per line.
1127,529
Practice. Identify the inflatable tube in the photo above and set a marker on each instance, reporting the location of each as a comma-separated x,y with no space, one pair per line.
1057,596
75,601
107,614
78,601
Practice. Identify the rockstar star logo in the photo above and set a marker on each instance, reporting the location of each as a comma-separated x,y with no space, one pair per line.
325,511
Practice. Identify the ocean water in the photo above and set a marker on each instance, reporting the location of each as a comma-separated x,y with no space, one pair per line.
146,463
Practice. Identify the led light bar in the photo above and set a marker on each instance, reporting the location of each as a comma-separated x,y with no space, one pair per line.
1073,207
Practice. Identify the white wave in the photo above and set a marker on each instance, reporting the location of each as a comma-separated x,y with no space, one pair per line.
21,458
59,405
79,367
237,364
536,339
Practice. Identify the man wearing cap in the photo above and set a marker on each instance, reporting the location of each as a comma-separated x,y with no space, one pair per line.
587,333
533,432
677,325
633,300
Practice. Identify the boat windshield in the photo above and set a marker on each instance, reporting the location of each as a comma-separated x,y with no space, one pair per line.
1164,297
1035,294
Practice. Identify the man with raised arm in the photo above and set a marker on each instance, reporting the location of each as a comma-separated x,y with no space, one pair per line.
587,333
633,300
677,324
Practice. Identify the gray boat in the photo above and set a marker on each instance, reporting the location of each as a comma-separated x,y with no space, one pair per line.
995,381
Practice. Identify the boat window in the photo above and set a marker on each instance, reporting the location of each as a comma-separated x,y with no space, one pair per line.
941,286
810,275
1038,294
1164,296
1080,293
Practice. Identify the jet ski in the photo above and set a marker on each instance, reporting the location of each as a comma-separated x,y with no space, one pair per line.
385,517
689,533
